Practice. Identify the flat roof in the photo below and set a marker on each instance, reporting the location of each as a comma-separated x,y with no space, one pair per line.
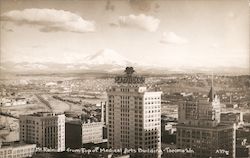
14,144
80,122
219,126
44,114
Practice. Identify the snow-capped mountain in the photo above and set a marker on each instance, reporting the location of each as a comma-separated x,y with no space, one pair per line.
104,60
107,57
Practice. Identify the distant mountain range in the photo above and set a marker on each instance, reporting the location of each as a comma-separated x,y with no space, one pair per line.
108,61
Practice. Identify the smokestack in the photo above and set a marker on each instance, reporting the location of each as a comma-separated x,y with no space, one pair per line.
102,112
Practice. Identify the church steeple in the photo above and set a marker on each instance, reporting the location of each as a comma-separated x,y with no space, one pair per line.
211,94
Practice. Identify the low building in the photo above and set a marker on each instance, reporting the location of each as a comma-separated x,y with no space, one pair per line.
45,129
244,132
242,151
232,118
168,132
243,140
215,141
13,101
242,148
246,117
232,105
79,132
20,101
17,150
170,127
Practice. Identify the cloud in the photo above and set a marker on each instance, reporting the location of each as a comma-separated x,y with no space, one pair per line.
214,45
231,15
31,66
172,38
7,29
50,20
2,68
70,67
148,23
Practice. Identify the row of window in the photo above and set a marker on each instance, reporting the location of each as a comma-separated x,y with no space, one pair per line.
153,116
152,98
152,111
153,106
152,102
152,124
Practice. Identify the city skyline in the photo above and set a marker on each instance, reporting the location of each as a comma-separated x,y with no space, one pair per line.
146,116
161,33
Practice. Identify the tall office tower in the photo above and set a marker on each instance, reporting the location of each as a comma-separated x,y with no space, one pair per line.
44,129
199,128
134,114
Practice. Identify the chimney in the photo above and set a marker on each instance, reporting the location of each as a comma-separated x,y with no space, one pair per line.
102,112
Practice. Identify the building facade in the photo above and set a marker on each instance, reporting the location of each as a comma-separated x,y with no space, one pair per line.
207,142
243,141
200,129
44,129
17,150
104,112
134,114
79,133
242,148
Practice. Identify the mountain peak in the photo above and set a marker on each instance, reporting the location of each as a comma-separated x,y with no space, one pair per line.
107,57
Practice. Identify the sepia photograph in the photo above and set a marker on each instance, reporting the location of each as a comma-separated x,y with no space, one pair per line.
125,78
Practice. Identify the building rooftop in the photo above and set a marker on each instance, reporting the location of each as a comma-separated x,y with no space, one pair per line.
79,121
45,114
13,144
219,126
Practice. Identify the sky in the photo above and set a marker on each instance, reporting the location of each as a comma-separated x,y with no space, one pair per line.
168,33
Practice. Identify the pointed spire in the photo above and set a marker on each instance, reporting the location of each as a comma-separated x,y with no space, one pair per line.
211,93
